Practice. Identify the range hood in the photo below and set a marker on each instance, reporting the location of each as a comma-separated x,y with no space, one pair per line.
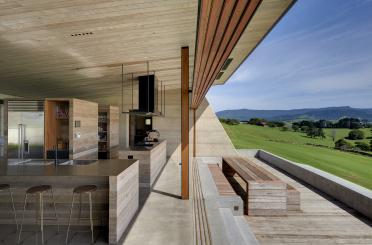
147,96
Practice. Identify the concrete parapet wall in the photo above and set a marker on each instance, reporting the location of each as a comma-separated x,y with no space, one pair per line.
355,196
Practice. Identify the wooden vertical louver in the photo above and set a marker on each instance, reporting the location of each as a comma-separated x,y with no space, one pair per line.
220,25
185,122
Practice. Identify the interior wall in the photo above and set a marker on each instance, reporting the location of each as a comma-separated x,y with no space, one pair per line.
86,144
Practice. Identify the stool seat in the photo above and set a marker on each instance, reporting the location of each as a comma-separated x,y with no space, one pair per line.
38,189
4,187
85,189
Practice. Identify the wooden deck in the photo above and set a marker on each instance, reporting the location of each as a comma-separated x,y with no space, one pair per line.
320,221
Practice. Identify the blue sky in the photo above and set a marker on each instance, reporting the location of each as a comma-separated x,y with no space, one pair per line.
318,55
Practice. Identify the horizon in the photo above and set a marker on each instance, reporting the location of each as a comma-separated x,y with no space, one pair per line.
313,58
309,108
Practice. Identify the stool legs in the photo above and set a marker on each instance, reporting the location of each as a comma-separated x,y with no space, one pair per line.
55,209
41,212
23,216
69,219
14,210
41,217
90,216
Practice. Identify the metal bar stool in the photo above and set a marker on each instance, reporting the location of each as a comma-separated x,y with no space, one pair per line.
4,187
40,190
83,189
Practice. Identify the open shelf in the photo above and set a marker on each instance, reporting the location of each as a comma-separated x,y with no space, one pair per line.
57,128
103,144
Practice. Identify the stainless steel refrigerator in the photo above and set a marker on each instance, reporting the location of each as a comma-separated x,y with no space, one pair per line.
25,129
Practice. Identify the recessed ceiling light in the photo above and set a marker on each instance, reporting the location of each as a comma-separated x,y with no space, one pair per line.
81,34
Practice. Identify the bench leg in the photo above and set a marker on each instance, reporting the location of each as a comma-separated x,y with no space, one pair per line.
227,170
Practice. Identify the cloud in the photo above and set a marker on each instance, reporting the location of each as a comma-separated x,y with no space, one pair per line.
312,56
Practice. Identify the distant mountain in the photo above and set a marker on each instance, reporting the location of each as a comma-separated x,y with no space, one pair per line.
328,113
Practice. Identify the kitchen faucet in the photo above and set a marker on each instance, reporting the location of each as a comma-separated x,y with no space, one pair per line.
56,155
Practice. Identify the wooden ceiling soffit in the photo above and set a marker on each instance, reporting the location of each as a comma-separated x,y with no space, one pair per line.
220,25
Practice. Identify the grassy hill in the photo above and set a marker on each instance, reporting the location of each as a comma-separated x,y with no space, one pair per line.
293,146
327,113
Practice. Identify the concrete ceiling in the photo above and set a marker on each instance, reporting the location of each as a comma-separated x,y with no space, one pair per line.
76,48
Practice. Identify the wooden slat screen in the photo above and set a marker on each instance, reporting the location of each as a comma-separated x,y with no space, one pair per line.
220,25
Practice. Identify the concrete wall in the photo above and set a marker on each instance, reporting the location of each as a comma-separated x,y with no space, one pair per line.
355,196
211,138
85,146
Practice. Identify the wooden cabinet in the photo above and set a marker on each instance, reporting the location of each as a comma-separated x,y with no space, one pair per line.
71,127
57,123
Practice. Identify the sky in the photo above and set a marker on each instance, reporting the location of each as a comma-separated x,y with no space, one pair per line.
318,55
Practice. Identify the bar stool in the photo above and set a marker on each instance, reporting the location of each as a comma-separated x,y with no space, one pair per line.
4,187
83,189
39,190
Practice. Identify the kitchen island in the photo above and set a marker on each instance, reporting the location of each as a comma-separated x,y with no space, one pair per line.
151,158
114,203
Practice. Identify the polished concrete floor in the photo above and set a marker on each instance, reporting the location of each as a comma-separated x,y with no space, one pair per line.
162,219
165,218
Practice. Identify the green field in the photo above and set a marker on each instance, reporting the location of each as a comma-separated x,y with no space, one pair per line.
292,145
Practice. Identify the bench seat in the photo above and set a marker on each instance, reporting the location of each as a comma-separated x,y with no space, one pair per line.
266,194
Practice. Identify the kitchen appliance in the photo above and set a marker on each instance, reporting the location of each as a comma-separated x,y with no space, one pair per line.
25,129
147,94
152,136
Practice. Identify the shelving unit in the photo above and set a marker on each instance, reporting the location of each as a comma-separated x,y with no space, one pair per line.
108,132
103,136
57,128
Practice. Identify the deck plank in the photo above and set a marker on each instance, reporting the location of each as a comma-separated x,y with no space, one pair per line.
320,220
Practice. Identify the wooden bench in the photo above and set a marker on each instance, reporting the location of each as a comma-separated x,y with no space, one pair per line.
223,186
293,195
266,195
227,196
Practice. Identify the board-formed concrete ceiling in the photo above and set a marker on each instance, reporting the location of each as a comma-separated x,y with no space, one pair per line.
76,48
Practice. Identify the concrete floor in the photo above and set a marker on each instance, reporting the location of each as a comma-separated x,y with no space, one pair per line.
165,218
162,219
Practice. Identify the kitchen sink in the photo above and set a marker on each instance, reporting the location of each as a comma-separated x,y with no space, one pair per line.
78,162
29,162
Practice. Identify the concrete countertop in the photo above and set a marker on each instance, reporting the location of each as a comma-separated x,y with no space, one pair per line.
143,148
101,168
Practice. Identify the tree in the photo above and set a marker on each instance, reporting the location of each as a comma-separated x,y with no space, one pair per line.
334,134
229,121
295,127
304,129
279,123
343,144
321,133
284,128
271,124
312,132
362,145
356,134
256,121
